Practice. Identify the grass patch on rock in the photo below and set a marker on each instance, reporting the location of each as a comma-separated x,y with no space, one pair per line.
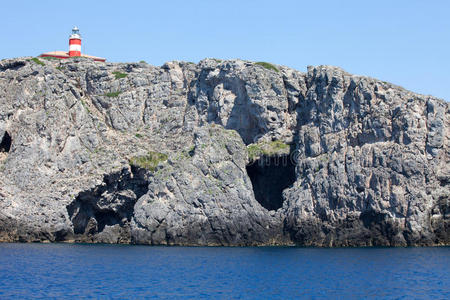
149,161
254,151
36,60
119,75
272,148
267,66
85,106
112,94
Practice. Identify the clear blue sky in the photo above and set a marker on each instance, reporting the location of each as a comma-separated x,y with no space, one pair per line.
404,42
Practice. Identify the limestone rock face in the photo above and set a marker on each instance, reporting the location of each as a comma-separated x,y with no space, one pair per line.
218,153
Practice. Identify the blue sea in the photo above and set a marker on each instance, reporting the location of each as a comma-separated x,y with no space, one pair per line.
118,271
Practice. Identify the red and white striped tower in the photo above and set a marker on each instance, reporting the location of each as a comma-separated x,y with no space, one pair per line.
75,42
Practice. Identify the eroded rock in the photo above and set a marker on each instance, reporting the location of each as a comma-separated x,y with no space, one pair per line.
368,161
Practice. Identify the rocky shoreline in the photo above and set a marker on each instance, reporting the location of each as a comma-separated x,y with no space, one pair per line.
220,153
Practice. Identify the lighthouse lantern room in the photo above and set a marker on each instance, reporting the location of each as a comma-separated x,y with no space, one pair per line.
74,48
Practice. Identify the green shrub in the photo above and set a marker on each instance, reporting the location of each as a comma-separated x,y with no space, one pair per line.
138,135
36,60
142,62
149,161
267,66
119,75
112,94
60,68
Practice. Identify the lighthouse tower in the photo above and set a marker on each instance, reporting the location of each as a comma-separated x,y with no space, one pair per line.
74,49
75,42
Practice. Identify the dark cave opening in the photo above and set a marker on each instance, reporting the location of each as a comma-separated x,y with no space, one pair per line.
269,177
5,145
109,218
111,203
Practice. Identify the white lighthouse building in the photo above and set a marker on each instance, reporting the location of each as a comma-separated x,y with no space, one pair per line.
74,49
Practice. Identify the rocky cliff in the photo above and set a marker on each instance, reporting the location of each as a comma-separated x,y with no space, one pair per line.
218,153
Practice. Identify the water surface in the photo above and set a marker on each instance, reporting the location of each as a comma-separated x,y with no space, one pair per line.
116,271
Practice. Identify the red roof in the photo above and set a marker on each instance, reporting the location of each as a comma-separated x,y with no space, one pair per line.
64,55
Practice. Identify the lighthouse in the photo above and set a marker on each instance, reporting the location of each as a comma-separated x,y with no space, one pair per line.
75,42
74,49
